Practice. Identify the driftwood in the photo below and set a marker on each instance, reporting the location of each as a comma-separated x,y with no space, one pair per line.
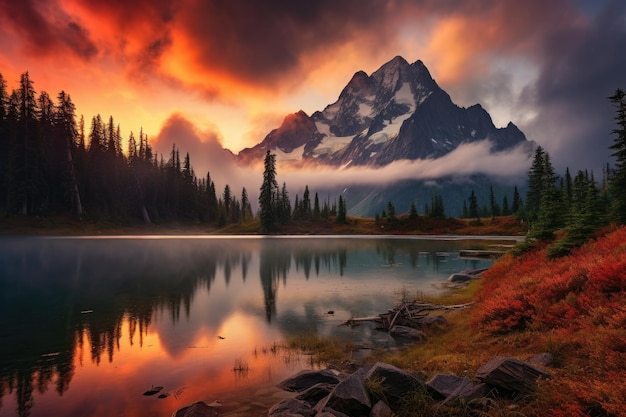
406,314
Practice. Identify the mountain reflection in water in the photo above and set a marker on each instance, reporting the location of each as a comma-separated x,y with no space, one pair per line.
88,324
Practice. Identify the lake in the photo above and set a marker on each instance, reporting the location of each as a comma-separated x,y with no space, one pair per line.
88,324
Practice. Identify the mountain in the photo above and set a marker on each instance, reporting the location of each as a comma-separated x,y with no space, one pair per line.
398,112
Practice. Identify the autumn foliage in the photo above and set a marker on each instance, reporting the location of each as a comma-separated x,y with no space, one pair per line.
577,306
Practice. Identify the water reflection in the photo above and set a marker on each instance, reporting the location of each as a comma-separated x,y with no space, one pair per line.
62,300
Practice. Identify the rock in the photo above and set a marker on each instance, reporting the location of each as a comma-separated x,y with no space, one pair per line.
349,396
442,385
429,320
329,412
407,333
197,409
291,407
510,374
392,384
381,409
306,379
468,390
460,277
316,393
544,359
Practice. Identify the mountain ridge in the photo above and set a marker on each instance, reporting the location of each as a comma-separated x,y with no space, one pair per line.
398,112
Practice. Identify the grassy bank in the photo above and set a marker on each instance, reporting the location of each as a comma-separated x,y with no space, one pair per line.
572,307
70,226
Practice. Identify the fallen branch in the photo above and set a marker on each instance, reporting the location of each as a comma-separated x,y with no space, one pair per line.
404,313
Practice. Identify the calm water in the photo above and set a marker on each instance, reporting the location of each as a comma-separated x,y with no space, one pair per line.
88,324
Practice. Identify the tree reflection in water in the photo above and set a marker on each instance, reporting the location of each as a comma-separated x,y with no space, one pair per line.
59,295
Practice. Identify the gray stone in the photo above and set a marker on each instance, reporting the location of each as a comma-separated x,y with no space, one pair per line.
442,385
381,409
460,277
544,359
407,333
316,393
291,407
468,390
197,409
510,374
349,396
306,379
392,384
429,320
329,412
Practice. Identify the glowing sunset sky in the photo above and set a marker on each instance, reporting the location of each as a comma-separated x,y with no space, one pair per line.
234,69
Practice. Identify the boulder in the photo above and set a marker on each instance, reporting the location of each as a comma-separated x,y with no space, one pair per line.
442,385
197,409
469,390
510,374
349,397
329,412
291,407
316,393
429,320
460,277
392,384
407,333
381,409
306,379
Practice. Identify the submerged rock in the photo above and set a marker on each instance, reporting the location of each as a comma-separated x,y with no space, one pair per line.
407,333
197,409
291,407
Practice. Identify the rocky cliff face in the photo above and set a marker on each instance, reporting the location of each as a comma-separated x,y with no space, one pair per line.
398,112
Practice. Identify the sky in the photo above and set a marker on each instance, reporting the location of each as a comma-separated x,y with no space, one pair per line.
208,74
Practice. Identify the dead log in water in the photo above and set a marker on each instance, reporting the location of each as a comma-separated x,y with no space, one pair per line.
413,314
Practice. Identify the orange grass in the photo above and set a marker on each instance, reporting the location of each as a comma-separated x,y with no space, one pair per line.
577,304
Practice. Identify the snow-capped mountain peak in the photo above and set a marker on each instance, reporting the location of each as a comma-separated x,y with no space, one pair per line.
397,112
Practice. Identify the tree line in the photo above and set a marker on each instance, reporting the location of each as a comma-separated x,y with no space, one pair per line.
51,164
275,205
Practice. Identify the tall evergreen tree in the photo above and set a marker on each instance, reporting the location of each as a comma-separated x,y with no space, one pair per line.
536,181
269,188
516,205
618,181
550,216
473,206
413,211
341,211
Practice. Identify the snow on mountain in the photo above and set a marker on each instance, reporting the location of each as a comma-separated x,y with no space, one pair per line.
398,112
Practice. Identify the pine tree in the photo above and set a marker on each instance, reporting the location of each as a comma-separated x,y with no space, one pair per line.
505,206
316,208
391,212
618,181
341,211
550,216
413,211
494,208
517,202
473,207
536,179
306,203
246,210
268,191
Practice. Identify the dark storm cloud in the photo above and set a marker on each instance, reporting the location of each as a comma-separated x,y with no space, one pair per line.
262,40
581,67
45,29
